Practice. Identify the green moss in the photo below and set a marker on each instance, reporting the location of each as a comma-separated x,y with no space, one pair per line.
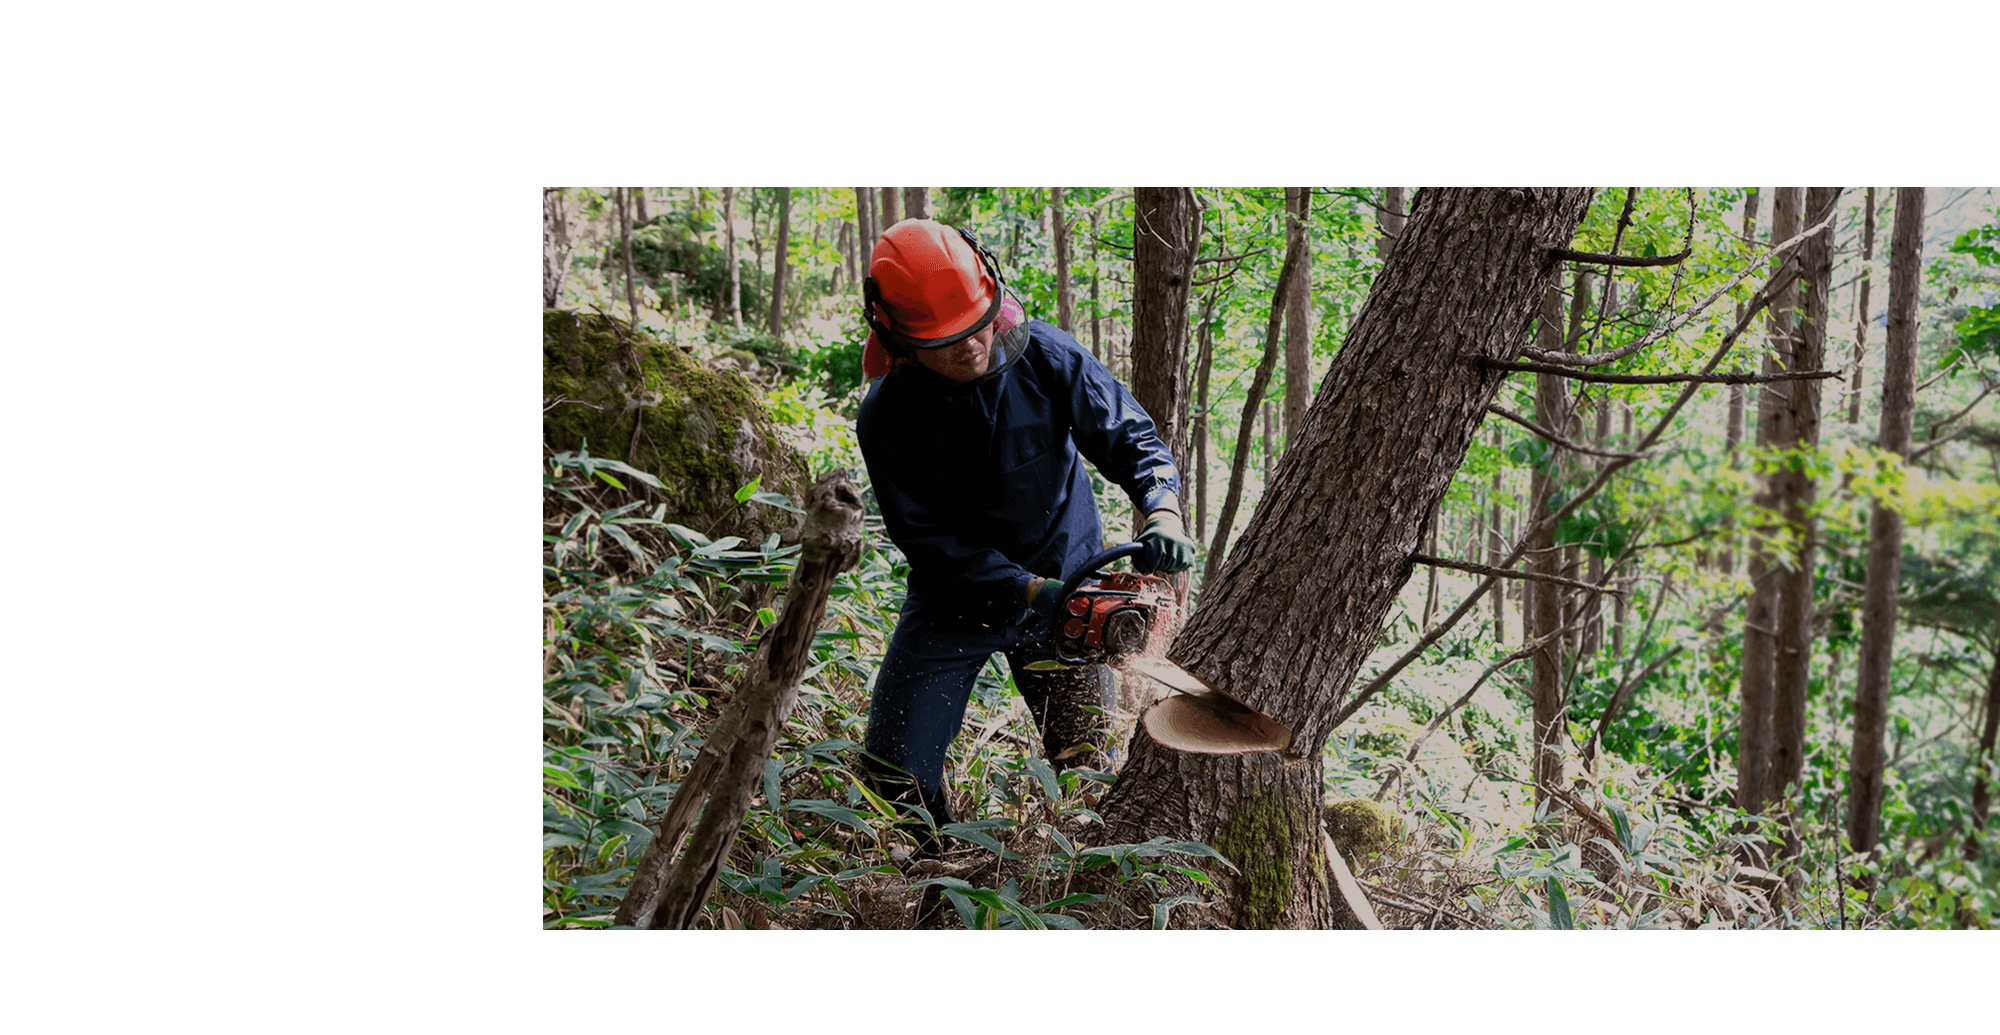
1257,840
704,432
1360,827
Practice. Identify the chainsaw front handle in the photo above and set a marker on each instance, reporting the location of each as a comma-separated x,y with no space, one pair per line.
1092,567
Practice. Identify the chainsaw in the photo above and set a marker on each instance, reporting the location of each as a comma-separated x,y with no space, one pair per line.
1127,621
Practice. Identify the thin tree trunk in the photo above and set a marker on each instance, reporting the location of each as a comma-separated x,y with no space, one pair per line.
864,227
1983,760
1885,528
1726,561
1494,544
778,263
1403,400
1389,221
639,205
625,233
1861,308
1065,292
1760,619
555,245
666,893
916,202
729,256
1431,577
890,216
1096,314
1793,668
1298,313
1269,442
1255,398
1203,364
1164,224
1544,611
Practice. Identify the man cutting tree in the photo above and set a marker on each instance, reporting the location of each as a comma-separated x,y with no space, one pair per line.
972,429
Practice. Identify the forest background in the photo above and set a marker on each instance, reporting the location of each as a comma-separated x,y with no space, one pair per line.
1431,783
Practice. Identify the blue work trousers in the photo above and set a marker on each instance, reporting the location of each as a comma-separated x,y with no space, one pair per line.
927,677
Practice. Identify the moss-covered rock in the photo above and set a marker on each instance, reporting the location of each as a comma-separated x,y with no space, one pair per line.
1360,827
702,432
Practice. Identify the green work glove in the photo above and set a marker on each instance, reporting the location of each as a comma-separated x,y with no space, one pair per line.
1047,599
1167,546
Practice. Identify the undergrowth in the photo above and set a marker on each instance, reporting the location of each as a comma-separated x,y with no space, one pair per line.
646,624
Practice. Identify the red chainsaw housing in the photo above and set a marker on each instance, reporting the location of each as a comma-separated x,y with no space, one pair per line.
1117,614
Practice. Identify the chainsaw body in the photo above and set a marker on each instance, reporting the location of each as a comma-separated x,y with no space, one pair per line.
1129,621
1104,615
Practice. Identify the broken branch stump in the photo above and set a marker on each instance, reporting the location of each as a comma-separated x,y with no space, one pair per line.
667,893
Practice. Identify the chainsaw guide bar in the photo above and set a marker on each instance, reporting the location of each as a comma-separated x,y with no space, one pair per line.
1127,621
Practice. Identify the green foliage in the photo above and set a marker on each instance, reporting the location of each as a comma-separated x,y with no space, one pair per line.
679,243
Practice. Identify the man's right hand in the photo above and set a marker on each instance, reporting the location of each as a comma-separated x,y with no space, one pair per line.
1044,596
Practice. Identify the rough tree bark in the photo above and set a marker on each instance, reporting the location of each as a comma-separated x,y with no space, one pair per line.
667,893
1760,614
1885,528
916,202
1162,268
1288,620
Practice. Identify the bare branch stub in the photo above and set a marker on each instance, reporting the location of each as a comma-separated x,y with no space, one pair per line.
1482,569
1559,440
1661,379
1599,259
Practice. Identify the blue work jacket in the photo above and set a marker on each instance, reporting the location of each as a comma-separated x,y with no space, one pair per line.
980,485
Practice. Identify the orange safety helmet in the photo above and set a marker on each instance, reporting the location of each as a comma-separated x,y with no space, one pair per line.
929,285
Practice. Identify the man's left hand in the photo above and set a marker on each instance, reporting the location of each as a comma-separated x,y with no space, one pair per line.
1168,547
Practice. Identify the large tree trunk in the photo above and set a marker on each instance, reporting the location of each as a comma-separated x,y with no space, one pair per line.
916,202
1298,312
1885,528
1290,617
1795,583
1162,266
1760,616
